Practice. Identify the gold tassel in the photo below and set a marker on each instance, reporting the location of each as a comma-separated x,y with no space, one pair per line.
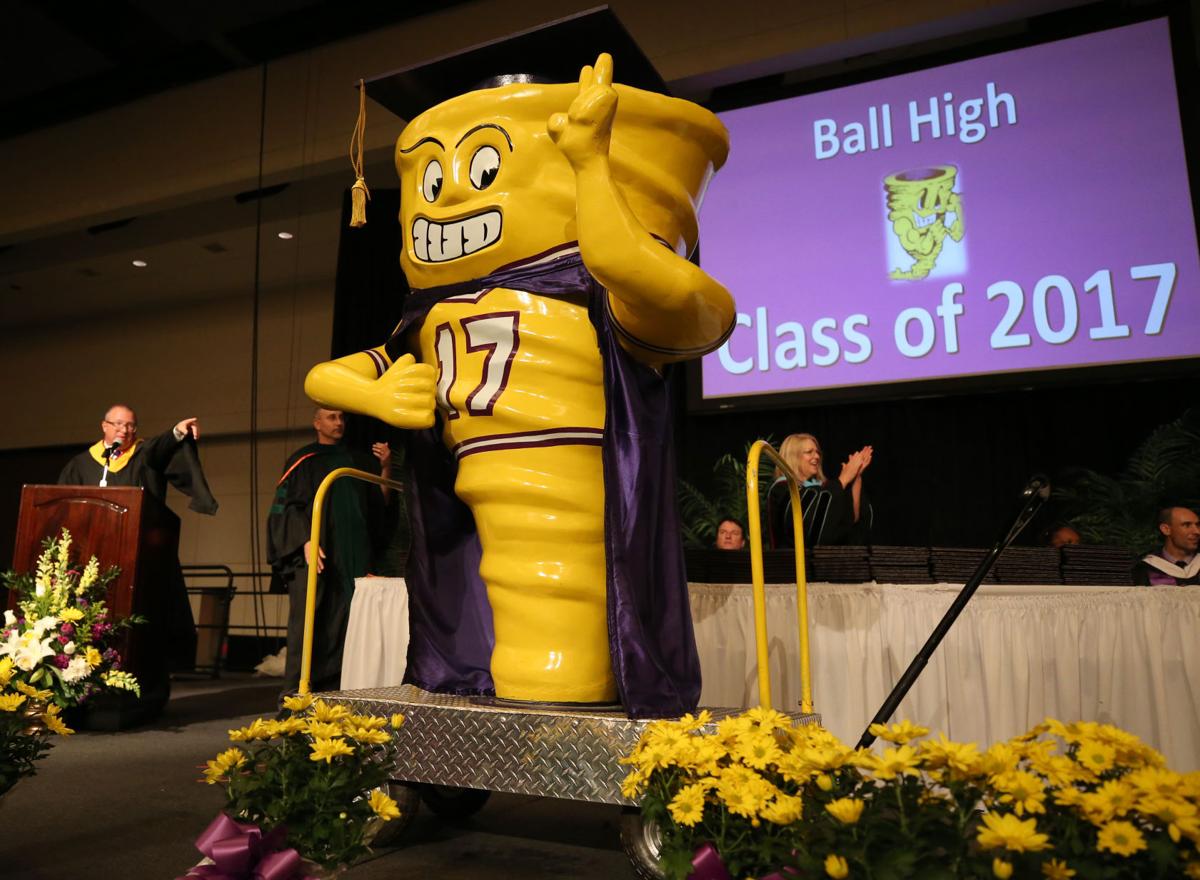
359,192
358,203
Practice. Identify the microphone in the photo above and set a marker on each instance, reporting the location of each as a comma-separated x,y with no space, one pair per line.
1039,485
110,451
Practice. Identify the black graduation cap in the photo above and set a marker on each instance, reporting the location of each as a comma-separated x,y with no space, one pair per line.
551,53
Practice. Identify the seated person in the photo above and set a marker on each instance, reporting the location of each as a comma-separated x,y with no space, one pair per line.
1060,534
834,511
730,534
1177,564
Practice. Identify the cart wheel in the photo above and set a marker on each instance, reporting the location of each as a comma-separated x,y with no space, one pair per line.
641,839
454,803
407,796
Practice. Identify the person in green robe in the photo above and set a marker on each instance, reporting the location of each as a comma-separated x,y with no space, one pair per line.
353,515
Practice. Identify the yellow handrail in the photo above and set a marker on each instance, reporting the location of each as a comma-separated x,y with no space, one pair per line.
756,575
310,602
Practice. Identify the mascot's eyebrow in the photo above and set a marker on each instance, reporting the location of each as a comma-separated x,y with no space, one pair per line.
487,125
424,140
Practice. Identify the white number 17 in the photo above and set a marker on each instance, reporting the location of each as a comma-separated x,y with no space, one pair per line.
495,333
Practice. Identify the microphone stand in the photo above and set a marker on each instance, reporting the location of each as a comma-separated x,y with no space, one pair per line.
108,454
1035,493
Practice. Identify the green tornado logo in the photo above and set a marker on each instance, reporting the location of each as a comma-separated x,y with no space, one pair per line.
918,202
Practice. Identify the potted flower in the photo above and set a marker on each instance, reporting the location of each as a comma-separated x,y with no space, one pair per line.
55,651
311,780
754,794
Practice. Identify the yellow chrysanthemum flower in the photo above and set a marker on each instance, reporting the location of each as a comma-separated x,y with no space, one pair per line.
896,762
1095,755
366,735
1001,868
1179,816
961,759
1022,790
6,670
55,724
1056,870
901,733
767,719
1156,781
384,806
836,867
71,615
323,729
1113,798
696,722
1008,831
397,721
328,749
218,768
291,726
33,693
93,657
10,702
687,807
370,722
298,703
784,809
632,785
757,749
257,729
1120,838
845,810
323,711
1192,869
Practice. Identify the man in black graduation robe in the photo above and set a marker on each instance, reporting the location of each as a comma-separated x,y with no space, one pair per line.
121,458
352,518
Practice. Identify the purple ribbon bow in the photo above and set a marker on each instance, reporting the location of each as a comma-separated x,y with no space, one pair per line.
240,851
708,865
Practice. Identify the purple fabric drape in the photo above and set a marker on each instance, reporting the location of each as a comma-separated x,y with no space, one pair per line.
649,620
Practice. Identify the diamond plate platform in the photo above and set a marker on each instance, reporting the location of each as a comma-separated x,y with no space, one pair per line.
468,743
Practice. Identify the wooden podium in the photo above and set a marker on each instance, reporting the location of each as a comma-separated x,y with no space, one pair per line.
130,528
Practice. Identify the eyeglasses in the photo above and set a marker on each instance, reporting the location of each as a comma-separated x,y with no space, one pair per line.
132,426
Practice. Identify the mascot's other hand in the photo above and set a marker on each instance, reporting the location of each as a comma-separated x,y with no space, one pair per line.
403,396
584,131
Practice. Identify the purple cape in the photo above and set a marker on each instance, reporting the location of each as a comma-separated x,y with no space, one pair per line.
650,633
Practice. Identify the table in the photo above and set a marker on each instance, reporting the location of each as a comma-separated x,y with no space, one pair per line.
376,650
1128,656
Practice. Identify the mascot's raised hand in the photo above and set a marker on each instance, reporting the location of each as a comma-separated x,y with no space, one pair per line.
584,132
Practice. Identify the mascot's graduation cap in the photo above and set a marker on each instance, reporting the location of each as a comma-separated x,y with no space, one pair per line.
550,53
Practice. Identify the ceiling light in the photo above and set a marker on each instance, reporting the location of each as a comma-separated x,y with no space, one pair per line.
141,264
286,236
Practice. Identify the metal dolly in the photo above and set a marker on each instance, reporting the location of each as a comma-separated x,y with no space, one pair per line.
454,751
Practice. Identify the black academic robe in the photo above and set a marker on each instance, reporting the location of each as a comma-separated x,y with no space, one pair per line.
352,515
155,464
828,515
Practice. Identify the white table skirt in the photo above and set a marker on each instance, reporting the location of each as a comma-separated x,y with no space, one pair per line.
1126,656
376,648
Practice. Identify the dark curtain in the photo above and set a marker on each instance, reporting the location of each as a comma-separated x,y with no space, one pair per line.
369,294
947,471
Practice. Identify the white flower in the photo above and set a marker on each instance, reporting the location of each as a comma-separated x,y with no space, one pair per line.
78,668
10,619
69,648
43,624
26,649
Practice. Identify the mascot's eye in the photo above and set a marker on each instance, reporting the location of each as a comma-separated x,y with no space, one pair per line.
484,166
431,185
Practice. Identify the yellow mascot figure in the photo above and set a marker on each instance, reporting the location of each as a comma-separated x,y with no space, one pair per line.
539,221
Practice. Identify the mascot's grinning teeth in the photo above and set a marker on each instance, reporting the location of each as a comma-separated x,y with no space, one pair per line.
921,222
439,242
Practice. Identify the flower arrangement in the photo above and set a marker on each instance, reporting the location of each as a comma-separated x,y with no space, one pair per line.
316,772
53,653
26,721
757,794
59,635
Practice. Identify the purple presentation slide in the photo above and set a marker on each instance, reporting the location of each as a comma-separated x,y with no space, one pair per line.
1019,212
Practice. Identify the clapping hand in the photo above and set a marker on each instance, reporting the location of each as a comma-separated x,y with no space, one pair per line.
383,452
